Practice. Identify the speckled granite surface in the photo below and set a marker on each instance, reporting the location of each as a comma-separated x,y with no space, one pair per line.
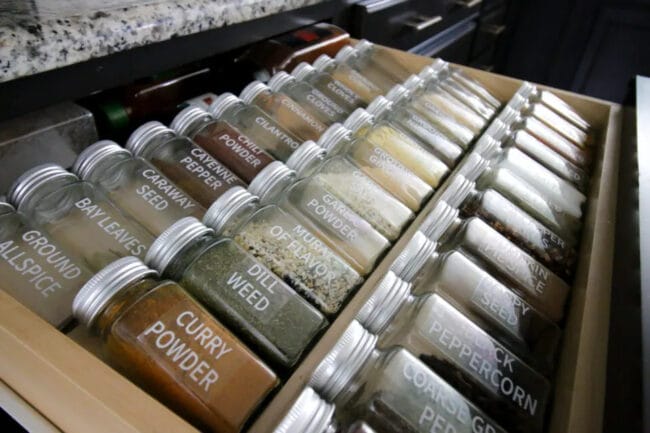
31,47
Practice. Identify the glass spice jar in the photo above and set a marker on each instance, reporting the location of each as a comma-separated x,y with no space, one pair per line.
78,215
256,124
308,414
135,186
248,298
284,110
162,339
392,390
325,83
529,278
223,142
36,270
310,98
183,162
482,298
323,214
286,247
378,164
352,186
400,146
341,72
457,349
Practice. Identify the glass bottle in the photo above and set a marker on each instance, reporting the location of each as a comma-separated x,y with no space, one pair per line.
457,349
36,270
162,339
286,247
135,186
529,278
343,73
392,390
308,414
248,298
310,98
400,146
412,123
333,88
182,161
378,164
256,124
323,214
481,297
284,110
352,186
223,142
78,215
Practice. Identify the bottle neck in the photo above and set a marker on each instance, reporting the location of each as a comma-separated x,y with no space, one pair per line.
197,126
360,377
237,220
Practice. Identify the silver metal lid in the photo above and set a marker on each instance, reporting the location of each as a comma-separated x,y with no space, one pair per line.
497,130
323,62
345,53
279,80
92,156
472,166
388,297
227,206
333,136
528,90
172,241
438,221
269,179
363,45
309,414
305,156
252,90
145,134
223,103
34,179
457,190
303,70
105,284
487,146
397,93
342,362
379,106
518,103
357,119
413,82
6,208
187,118
509,116
413,257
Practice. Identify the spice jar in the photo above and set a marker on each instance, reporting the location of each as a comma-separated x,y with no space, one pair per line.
136,186
459,351
482,298
256,124
162,339
323,214
522,273
223,142
36,270
313,100
78,216
308,414
343,73
411,123
183,162
392,390
333,88
400,146
342,178
286,247
378,164
284,110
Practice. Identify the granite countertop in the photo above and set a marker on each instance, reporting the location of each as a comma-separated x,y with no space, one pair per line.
33,46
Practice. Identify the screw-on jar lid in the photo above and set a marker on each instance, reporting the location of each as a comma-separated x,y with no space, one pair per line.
145,134
497,130
279,80
439,220
487,146
357,119
413,257
457,190
413,82
397,93
345,53
363,45
342,362
323,62
306,155
269,179
223,103
309,414
172,241
509,116
379,106
105,284
33,179
188,117
518,103
252,90
333,135
6,208
227,206
302,70
388,297
92,156
527,90
473,166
